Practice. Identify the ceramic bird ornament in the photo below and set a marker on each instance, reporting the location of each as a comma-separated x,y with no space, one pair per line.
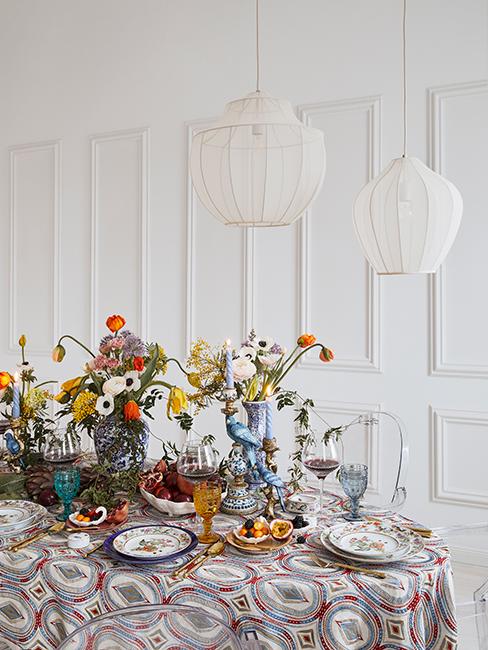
272,479
238,432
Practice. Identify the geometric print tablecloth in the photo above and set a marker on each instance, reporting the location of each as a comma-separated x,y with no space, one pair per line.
284,599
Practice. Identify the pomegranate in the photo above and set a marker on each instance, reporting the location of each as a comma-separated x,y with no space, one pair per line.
184,486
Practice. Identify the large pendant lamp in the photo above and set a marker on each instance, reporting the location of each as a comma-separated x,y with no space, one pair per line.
258,165
407,218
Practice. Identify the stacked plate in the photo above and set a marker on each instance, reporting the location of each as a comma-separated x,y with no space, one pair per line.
372,542
146,545
16,516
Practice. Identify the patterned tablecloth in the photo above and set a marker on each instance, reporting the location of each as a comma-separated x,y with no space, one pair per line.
284,599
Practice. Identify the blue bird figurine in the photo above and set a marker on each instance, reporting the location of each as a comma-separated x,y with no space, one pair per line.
238,432
14,446
272,479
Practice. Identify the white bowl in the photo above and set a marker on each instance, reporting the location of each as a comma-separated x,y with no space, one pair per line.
252,540
168,507
87,524
300,504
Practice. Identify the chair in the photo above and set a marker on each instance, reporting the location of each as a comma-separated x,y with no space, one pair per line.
145,626
468,545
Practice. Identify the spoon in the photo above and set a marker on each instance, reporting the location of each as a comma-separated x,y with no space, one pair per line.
215,549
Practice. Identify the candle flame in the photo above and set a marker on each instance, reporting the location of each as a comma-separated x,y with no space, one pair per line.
268,391
16,377
228,343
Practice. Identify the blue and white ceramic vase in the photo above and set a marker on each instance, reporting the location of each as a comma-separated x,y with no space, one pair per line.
256,423
118,447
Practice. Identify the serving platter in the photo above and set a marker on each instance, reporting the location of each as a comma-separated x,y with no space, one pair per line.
158,542
267,546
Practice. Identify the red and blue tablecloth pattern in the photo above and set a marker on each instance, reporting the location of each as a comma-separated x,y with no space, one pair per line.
286,600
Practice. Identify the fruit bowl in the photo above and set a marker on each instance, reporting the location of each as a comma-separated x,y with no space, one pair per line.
261,521
168,507
86,524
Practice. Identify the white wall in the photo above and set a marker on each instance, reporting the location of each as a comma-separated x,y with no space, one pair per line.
98,98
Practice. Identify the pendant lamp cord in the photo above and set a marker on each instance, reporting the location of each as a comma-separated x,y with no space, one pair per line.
404,53
257,48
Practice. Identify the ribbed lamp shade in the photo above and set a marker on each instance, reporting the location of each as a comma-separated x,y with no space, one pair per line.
407,218
258,165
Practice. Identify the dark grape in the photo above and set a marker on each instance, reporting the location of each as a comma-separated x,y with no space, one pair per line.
249,534
249,524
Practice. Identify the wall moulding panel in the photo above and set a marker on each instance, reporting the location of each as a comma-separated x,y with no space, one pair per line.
35,207
457,132
344,412
219,269
459,477
119,222
352,125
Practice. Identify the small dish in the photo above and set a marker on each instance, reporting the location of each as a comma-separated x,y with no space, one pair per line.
87,524
300,504
253,540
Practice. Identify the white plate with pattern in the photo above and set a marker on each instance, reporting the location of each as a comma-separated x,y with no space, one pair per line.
370,539
17,515
164,542
416,546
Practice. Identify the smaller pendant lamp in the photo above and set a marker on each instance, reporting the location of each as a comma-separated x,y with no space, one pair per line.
258,165
407,218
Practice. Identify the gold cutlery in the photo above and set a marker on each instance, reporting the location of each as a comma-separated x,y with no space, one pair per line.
212,551
182,568
351,567
92,550
55,528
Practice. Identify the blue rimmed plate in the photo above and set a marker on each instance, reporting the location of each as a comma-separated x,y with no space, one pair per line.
154,543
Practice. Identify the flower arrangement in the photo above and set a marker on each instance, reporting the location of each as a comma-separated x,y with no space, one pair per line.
121,384
262,364
26,409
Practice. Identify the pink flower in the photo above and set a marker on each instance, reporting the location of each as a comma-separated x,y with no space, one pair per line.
101,362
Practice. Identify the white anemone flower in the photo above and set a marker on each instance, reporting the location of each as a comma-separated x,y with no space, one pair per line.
243,369
114,386
132,381
247,352
105,404
269,360
263,343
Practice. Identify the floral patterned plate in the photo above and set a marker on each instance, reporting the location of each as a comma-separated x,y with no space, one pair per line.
370,539
323,543
15,515
163,542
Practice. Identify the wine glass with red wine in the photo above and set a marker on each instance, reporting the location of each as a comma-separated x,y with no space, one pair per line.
321,457
197,462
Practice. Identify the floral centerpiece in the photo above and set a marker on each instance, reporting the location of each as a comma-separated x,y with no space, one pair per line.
24,404
121,384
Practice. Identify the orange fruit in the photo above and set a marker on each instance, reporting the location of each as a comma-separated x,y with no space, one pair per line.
258,525
86,519
258,533
243,532
79,517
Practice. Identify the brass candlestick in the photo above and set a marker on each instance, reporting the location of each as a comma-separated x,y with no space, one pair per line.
270,447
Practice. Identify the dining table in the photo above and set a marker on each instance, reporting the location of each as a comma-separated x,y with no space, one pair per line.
293,598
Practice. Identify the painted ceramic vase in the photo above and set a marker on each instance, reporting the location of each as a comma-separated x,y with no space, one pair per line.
256,423
110,438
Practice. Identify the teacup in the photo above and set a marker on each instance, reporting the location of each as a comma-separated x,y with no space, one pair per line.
300,504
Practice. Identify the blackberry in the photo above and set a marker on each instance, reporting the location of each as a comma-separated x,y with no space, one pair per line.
248,524
301,539
84,511
249,534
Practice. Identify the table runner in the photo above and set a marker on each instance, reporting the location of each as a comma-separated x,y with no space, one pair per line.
283,599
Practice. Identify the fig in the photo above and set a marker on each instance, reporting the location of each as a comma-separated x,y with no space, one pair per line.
163,493
47,497
182,498
184,485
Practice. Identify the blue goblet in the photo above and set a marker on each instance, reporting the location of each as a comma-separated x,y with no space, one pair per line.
354,481
66,484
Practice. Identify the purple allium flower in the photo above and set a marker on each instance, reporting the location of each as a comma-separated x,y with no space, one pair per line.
133,346
276,349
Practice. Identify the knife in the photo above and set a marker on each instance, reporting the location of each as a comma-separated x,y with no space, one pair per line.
55,528
212,551
350,567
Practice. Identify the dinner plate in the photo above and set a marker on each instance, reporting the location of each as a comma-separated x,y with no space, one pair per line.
111,552
416,546
16,515
370,539
161,542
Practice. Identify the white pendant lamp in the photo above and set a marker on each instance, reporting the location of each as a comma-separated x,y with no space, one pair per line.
258,165
407,218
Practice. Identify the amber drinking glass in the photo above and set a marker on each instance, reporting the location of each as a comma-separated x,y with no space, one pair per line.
206,497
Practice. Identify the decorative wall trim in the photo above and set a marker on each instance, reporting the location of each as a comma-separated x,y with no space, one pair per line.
439,364
142,136
55,147
441,492
372,361
352,410
248,307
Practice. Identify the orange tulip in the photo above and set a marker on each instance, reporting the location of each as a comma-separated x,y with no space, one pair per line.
326,355
131,411
5,379
305,340
115,322
138,364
